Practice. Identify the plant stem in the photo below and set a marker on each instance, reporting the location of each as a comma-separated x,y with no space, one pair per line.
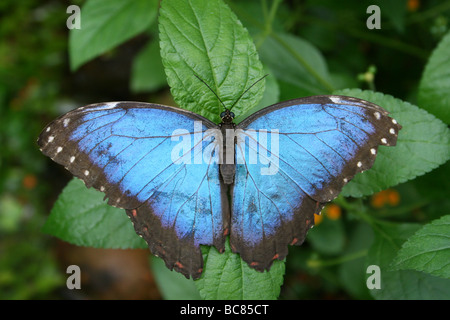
430,13
327,85
317,263
268,31
358,209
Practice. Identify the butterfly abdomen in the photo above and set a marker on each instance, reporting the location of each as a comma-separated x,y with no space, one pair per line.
227,165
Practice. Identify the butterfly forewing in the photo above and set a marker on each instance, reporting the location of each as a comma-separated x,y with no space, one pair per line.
145,158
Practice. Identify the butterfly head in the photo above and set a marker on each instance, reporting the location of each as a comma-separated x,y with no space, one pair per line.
227,116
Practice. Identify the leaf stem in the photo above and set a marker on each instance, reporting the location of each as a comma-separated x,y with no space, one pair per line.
428,14
358,209
269,17
371,37
327,85
318,263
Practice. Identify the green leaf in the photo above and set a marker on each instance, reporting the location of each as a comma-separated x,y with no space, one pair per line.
352,273
271,96
434,88
227,277
395,12
106,24
423,144
428,250
328,237
205,38
432,189
147,73
401,284
171,284
296,62
80,216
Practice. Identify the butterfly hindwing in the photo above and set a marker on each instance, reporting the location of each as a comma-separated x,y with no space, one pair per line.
145,158
304,151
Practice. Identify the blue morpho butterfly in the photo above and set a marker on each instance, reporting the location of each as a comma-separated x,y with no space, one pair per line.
185,181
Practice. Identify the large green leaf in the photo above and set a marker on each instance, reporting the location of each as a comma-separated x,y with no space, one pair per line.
227,277
80,216
296,62
106,24
423,145
147,73
434,89
428,250
328,237
171,284
271,96
352,272
205,38
401,284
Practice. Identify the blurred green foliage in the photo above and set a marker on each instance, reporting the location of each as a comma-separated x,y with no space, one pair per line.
32,65
36,85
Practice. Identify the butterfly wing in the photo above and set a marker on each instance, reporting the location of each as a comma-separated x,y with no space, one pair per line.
157,162
322,141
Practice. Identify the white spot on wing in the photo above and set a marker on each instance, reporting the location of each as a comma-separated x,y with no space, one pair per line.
373,151
391,131
359,164
106,106
335,99
102,188
66,122
59,149
48,129
86,172
394,121
377,115
51,138
383,140
345,180
72,159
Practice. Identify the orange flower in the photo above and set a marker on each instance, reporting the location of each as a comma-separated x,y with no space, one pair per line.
379,199
29,181
413,5
318,219
389,196
333,211
393,197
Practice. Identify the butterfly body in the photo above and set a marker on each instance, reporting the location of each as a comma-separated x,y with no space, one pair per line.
186,181
227,165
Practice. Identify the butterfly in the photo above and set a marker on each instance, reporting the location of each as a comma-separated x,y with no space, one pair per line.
186,181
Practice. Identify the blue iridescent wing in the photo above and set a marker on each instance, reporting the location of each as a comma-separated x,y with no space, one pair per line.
157,162
322,141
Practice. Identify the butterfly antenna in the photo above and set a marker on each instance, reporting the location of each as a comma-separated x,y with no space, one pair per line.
210,89
247,90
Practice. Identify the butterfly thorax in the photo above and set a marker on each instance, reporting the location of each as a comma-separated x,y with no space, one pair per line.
227,166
